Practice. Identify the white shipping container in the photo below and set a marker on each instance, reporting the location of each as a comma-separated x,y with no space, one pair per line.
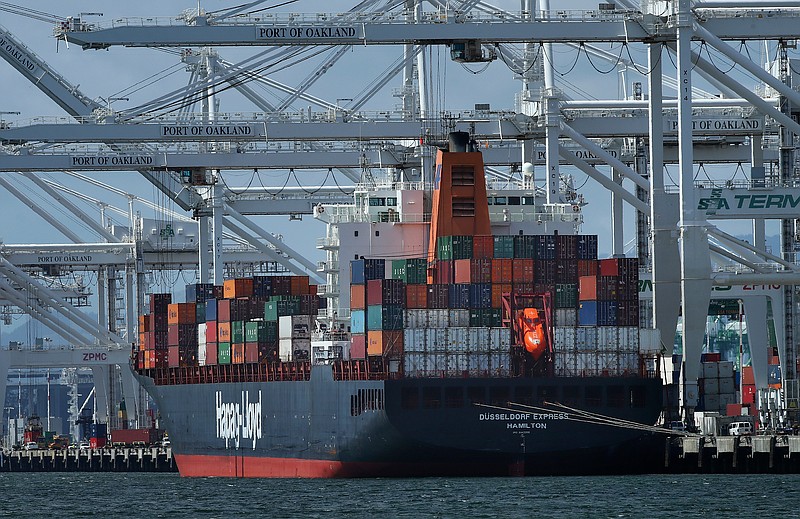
711,386
478,363
562,339
649,341
414,340
725,369
438,318
201,354
294,349
201,333
415,319
499,340
629,362
415,364
633,338
711,370
566,317
726,386
294,327
500,363
586,338
608,363
457,339
564,363
459,317
457,363
608,338
586,362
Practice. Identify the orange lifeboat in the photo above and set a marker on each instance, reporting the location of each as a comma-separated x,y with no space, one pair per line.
533,333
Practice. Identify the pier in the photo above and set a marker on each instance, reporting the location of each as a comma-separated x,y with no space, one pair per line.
733,454
127,459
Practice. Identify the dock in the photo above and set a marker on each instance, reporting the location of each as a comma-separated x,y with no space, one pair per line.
112,459
779,454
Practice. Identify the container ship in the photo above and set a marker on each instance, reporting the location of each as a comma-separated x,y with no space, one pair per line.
465,333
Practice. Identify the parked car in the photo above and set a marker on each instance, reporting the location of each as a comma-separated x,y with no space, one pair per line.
84,445
740,428
31,446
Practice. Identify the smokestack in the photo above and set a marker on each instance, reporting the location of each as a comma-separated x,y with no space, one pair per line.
458,141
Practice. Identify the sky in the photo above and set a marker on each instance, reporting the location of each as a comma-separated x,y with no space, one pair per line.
106,74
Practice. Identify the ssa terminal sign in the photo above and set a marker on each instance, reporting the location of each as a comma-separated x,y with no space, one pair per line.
743,203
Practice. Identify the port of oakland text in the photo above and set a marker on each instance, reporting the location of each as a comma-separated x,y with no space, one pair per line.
523,420
112,160
213,130
237,421
283,33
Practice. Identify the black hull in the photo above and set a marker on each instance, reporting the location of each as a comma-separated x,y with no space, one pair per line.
409,427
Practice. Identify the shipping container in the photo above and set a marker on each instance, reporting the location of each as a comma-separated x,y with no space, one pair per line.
587,268
182,335
384,317
566,316
181,313
545,247
483,247
587,338
567,271
628,313
199,292
443,272
587,248
358,297
525,246
607,313
480,295
566,247
411,271
223,310
358,321
237,353
502,271
503,247
388,343
438,296
212,354
299,285
385,292
587,288
546,272
358,346
363,270
458,296
237,332
607,288
566,296
159,302
294,349
416,296
262,287
498,290
295,327
587,313
281,286
523,271
238,287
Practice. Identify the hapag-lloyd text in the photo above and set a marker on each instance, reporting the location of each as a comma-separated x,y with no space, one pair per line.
238,420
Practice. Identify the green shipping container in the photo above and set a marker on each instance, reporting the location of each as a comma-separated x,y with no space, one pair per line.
384,317
200,313
485,317
503,246
255,331
567,296
462,247
224,353
280,306
411,271
237,332
444,247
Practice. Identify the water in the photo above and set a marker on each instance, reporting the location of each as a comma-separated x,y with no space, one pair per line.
167,495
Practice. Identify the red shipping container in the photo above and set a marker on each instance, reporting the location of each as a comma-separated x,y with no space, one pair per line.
748,394
522,270
587,268
358,297
733,410
312,290
483,247
587,288
237,353
358,346
497,294
211,354
97,443
747,376
299,285
182,313
417,296
239,287
251,352
173,359
385,292
211,331
388,343
502,270
463,271
224,311
144,323
609,267
160,322
444,272
523,288
438,296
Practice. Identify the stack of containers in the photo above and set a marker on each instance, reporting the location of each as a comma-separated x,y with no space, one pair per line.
385,298
154,341
361,271
717,386
748,386
182,334
233,323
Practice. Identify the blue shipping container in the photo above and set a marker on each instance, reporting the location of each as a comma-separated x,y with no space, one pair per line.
607,313
357,272
211,310
358,321
458,296
587,313
480,295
